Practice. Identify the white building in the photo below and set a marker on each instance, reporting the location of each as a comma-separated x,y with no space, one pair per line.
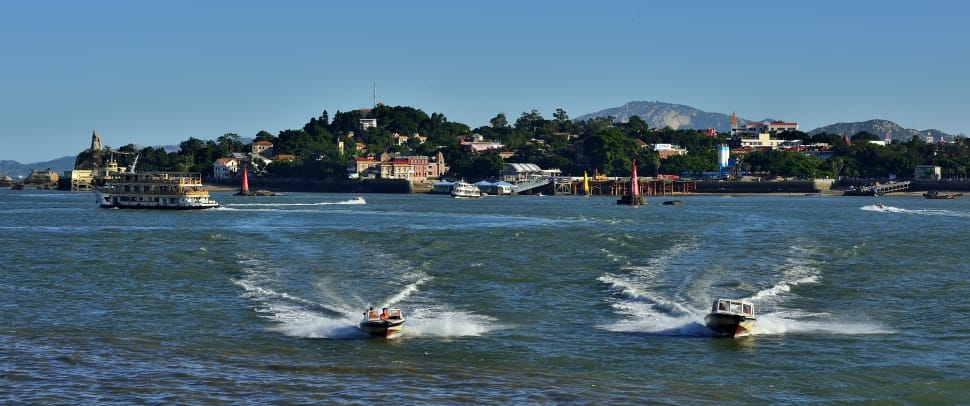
225,168
766,126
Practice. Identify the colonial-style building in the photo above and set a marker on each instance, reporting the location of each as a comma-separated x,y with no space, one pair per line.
766,126
414,167
668,150
261,147
225,168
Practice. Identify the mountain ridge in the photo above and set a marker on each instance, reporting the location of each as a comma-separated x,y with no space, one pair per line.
678,116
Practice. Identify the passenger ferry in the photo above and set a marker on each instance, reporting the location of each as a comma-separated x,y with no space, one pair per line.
154,190
463,189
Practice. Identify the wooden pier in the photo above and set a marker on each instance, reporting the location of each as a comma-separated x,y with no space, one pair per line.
878,189
621,187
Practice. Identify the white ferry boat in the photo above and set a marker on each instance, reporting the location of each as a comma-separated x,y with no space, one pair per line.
154,190
463,189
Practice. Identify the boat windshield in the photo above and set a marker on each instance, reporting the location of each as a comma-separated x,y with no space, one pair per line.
733,306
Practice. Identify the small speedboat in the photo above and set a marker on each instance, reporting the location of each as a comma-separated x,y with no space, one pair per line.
731,318
387,324
673,202
357,200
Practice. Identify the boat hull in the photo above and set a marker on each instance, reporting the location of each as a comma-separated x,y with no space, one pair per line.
174,202
383,328
729,325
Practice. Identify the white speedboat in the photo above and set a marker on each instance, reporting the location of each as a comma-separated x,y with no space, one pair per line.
357,200
731,318
463,189
387,324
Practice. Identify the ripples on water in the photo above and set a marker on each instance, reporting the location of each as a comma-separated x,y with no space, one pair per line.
557,299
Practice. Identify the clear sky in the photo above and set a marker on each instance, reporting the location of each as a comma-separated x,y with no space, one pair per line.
159,72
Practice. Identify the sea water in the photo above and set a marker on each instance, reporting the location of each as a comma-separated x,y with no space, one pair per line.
509,300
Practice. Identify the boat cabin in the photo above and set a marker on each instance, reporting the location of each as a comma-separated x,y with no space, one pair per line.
733,306
385,313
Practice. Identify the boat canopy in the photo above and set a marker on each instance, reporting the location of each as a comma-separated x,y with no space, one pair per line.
733,306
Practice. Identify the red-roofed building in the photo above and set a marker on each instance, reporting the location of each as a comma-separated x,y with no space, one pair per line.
225,168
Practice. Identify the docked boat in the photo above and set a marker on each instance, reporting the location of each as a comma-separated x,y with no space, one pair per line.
933,194
154,190
731,318
633,198
462,189
387,324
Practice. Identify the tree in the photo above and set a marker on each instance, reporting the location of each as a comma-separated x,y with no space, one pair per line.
499,121
610,150
530,122
229,143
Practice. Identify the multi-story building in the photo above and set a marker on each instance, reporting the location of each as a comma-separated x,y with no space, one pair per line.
225,168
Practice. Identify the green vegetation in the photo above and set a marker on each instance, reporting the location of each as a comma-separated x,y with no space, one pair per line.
597,144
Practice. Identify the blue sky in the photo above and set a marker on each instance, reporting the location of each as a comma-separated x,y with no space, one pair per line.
157,73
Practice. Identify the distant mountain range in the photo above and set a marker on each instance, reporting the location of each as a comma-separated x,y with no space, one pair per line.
59,165
881,128
678,116
16,169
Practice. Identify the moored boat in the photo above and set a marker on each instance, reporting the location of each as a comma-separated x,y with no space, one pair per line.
933,194
154,190
462,189
388,324
731,318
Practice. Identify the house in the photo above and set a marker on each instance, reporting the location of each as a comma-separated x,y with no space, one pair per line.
766,126
225,168
477,146
262,148
668,150
283,157
398,167
366,123
764,141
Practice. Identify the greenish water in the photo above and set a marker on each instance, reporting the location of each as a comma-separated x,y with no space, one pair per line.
510,300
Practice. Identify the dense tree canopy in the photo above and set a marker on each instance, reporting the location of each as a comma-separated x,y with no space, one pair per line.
596,144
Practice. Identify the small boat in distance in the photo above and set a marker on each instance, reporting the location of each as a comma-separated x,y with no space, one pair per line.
387,324
934,194
462,189
731,318
676,202
357,200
